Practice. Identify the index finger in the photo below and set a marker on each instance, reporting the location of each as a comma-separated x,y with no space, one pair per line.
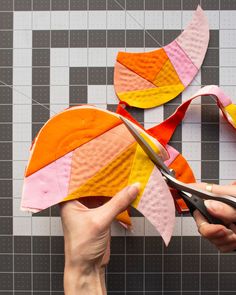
229,189
207,230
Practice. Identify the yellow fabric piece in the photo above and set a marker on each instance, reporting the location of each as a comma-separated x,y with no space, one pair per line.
149,98
142,168
110,179
167,76
231,110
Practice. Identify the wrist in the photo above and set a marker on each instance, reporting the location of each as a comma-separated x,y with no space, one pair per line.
78,258
82,279
81,276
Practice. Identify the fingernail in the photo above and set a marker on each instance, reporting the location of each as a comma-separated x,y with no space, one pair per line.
213,205
220,234
230,232
133,190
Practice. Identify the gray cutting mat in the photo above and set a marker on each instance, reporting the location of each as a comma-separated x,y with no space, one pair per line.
59,53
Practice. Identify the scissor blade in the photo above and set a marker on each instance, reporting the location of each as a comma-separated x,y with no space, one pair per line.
146,147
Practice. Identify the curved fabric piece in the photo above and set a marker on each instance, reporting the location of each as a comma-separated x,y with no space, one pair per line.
164,131
125,163
101,158
168,70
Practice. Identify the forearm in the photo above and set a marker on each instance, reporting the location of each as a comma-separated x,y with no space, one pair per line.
102,279
83,281
81,277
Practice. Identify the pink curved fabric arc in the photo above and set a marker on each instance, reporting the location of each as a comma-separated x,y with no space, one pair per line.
194,39
175,119
184,67
49,185
89,158
127,80
157,203
214,90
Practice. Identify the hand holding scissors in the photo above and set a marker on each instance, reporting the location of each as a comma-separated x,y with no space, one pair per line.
221,228
224,238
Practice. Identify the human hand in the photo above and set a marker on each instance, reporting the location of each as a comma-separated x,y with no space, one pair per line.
222,237
87,240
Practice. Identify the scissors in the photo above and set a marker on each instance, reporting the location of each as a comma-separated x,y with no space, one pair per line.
193,197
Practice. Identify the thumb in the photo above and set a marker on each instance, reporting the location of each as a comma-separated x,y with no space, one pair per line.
221,210
118,203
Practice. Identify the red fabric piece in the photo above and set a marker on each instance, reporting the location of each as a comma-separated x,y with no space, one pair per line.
122,111
164,131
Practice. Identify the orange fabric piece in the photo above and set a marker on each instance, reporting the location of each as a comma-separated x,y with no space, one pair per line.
124,217
110,179
145,64
167,76
92,156
183,172
67,131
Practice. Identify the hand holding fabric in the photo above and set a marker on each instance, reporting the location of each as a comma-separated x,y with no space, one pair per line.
87,240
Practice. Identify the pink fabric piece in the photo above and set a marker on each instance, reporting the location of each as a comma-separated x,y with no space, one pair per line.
173,154
89,158
126,80
49,185
194,39
158,206
184,67
216,91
